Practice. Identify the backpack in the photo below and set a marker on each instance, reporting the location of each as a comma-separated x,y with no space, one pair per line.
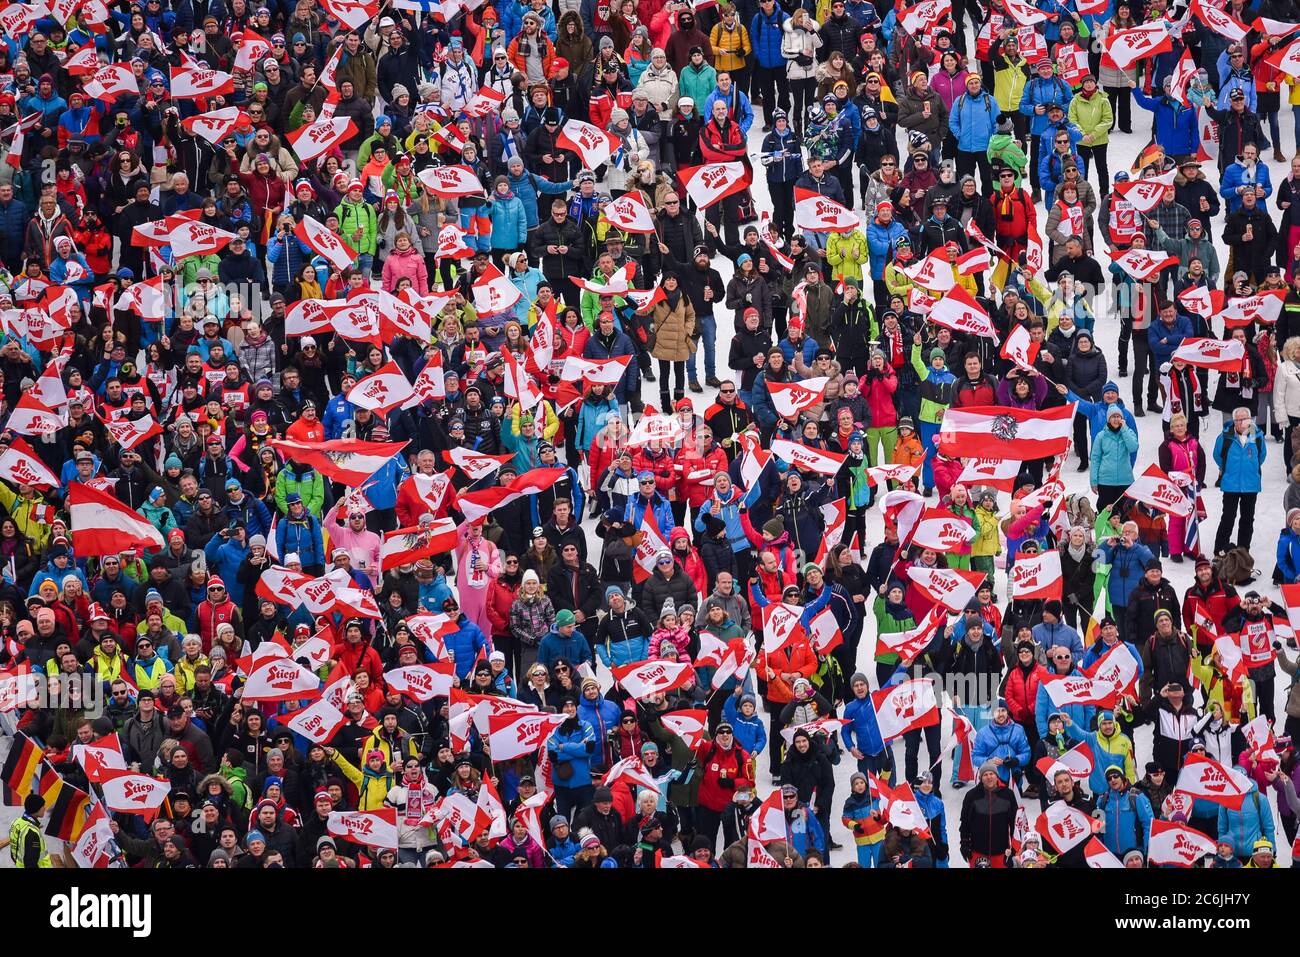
1132,806
1236,567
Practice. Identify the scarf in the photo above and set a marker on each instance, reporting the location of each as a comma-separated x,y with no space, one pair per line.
1183,387
1073,215
1077,553
416,800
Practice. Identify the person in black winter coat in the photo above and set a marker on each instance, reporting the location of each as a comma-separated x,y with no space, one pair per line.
806,767
1069,792
715,549
988,817
1152,595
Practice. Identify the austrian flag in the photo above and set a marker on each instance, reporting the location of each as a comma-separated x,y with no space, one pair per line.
592,144
821,214
648,678
709,183
1206,353
994,432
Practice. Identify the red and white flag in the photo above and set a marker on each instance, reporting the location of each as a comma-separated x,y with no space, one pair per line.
688,725
711,182
1184,73
354,14
822,461
977,261
485,101
878,475
1123,48
1064,827
908,644
474,465
906,706
1177,844
520,733
934,273
198,82
371,828
383,390
452,245
1263,307
323,240
91,849
1117,670
1000,474
1225,355
101,525
317,722
1153,487
1202,300
129,792
347,461
1144,195
422,682
281,679
84,62
1020,348
791,398
1025,14
21,466
1207,130
1220,21
110,82
476,505
253,49
629,212
758,857
821,214
630,769
941,530
1037,577
823,633
1077,689
592,144
995,432
1209,780
1275,29
1078,762
493,292
316,138
590,371
1143,264
129,433
212,126
954,588
959,311
104,755
781,626
1099,856
648,678
30,416
407,545
925,15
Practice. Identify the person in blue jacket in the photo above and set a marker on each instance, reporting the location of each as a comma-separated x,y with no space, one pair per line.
52,571
770,80
1126,814
936,817
802,828
300,532
224,554
603,716
528,186
1110,747
1175,124
741,712
1239,451
565,641
1052,631
338,410
1003,742
1042,90
1249,824
1097,412
1167,333
509,222
738,107
598,407
562,847
648,497
381,487
465,642
973,120
1235,73
1128,559
862,733
1061,662
570,748
1249,174
1288,549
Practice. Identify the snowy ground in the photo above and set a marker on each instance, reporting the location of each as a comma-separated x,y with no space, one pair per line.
1269,516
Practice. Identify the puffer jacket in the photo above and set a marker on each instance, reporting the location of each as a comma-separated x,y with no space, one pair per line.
973,121
1127,815
1112,456
1240,464
1001,741
1128,562
674,329
573,745
509,221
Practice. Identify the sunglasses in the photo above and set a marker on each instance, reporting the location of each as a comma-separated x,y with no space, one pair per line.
726,392
562,670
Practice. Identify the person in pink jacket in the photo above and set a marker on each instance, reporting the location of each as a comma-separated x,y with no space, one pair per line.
478,563
361,544
405,262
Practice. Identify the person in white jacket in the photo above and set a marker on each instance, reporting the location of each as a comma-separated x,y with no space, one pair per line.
414,798
1286,396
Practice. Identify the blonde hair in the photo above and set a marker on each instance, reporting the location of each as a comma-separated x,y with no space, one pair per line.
1291,349
1176,419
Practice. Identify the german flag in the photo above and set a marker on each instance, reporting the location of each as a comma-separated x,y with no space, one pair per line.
1153,153
20,769
67,808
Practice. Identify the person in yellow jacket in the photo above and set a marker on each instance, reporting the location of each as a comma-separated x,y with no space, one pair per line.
988,541
191,660
731,45
1010,75
373,782
30,512
1236,701
26,840
847,254
389,739
107,660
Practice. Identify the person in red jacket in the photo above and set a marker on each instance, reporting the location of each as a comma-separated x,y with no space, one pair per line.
1014,211
724,769
679,542
973,388
1214,598
354,653
1020,686
700,461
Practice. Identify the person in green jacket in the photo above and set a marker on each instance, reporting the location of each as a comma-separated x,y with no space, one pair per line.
892,617
1090,111
306,481
157,512
1195,244
936,393
359,226
1006,150
697,80
191,265
1112,458
847,254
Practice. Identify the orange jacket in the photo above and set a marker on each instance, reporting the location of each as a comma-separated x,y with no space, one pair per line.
796,656
548,55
